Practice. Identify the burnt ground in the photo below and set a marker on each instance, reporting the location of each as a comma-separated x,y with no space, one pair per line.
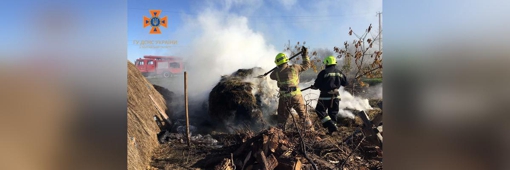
327,152
209,149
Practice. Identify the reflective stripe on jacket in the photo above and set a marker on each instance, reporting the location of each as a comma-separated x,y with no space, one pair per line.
328,80
288,76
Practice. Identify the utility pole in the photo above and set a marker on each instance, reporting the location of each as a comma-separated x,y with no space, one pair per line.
380,30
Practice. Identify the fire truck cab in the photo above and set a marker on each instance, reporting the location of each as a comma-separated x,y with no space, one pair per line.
165,66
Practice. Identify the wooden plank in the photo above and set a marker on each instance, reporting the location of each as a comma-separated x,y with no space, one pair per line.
272,162
246,159
265,144
379,128
261,159
297,165
285,164
364,117
379,135
245,145
377,119
226,164
159,108
367,128
369,131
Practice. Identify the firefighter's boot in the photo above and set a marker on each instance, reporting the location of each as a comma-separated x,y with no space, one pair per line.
327,123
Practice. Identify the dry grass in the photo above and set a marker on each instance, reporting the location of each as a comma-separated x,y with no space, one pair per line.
232,99
142,129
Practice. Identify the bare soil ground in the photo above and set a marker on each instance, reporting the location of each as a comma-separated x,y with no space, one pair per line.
342,150
210,148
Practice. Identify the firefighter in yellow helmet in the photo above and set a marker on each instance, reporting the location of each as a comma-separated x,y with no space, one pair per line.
287,77
328,81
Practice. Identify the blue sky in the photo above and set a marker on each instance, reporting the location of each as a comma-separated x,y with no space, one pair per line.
60,26
231,34
406,19
323,24
218,37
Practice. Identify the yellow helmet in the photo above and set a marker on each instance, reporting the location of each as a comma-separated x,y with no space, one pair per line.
280,59
330,60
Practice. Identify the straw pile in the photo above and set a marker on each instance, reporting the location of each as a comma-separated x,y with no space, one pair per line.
142,130
239,99
168,96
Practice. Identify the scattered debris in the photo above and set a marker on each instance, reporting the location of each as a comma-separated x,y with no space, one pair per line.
237,98
271,149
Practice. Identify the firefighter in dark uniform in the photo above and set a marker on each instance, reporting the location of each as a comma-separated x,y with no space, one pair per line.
328,81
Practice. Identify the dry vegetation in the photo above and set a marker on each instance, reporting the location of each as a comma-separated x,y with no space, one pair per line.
232,99
358,59
342,150
367,61
215,149
142,129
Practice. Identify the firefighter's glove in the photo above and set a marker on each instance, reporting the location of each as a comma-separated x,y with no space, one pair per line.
334,92
304,52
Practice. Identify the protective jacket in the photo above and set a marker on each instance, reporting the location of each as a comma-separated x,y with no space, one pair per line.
328,80
287,77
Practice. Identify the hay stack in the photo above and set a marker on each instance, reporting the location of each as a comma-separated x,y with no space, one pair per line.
237,100
168,96
142,130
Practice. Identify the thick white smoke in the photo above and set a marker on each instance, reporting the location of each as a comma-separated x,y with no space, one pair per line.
223,44
375,92
347,100
268,90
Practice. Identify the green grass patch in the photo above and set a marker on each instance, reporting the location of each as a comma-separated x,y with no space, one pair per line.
372,81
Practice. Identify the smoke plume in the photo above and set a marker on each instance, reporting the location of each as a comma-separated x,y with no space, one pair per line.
223,44
268,91
348,101
324,52
375,92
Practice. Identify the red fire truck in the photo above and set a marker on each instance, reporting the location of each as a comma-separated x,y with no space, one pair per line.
166,66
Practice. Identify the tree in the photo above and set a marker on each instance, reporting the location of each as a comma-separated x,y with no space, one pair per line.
297,48
358,50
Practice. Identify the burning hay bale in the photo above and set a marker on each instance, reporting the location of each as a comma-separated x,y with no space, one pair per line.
168,96
240,98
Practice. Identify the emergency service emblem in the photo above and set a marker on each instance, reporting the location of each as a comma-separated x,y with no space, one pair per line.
155,21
